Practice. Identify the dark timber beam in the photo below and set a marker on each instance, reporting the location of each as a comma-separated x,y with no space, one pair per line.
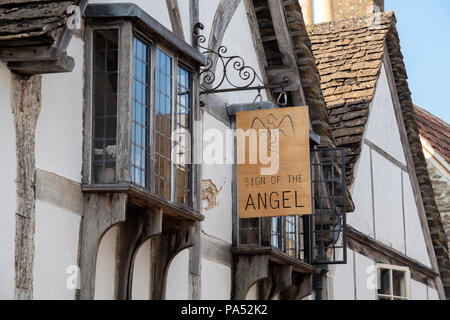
36,60
175,18
140,226
101,212
26,106
287,51
247,271
173,239
225,11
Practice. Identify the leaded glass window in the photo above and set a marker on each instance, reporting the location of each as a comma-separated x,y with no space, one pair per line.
163,125
184,136
140,112
105,105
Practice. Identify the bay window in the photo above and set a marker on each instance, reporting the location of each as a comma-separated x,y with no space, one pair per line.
141,113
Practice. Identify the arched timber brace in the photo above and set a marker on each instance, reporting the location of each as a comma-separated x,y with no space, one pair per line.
175,18
101,212
248,270
224,13
26,106
140,226
164,247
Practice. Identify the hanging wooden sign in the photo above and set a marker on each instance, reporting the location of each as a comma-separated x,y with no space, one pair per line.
273,162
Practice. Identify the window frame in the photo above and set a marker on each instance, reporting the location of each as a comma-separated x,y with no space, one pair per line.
127,31
90,164
392,268
176,61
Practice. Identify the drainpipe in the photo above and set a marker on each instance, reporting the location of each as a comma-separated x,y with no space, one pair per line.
307,11
323,11
319,282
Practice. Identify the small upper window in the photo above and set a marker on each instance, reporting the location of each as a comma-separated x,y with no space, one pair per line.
393,282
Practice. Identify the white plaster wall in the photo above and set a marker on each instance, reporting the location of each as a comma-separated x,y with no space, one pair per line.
388,203
141,273
59,128
415,240
7,186
155,8
207,11
433,294
218,220
216,281
418,291
382,128
104,273
56,249
177,287
343,282
362,218
365,268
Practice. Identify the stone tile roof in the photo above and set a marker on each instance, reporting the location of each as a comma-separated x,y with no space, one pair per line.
435,131
32,22
349,54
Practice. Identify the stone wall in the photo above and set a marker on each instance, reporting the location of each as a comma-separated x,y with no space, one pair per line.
353,8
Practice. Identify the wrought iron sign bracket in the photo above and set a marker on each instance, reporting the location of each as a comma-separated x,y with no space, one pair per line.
248,76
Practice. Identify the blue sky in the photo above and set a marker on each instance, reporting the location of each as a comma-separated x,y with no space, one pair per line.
424,30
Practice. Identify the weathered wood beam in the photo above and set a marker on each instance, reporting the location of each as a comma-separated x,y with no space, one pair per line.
224,12
193,18
26,106
377,250
247,271
175,18
164,247
257,43
286,47
101,212
37,60
140,226
59,191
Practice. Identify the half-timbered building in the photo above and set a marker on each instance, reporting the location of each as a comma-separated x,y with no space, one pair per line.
119,176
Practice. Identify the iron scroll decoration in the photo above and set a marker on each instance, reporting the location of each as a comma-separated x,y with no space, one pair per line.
250,80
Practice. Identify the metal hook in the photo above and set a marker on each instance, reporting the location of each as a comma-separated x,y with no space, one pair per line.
258,96
282,97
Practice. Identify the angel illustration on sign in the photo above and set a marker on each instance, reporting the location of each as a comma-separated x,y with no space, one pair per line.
269,129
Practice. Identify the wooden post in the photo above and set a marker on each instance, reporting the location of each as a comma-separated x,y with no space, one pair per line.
26,106
101,212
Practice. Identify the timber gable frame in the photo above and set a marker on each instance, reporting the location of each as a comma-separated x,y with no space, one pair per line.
349,81
140,213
